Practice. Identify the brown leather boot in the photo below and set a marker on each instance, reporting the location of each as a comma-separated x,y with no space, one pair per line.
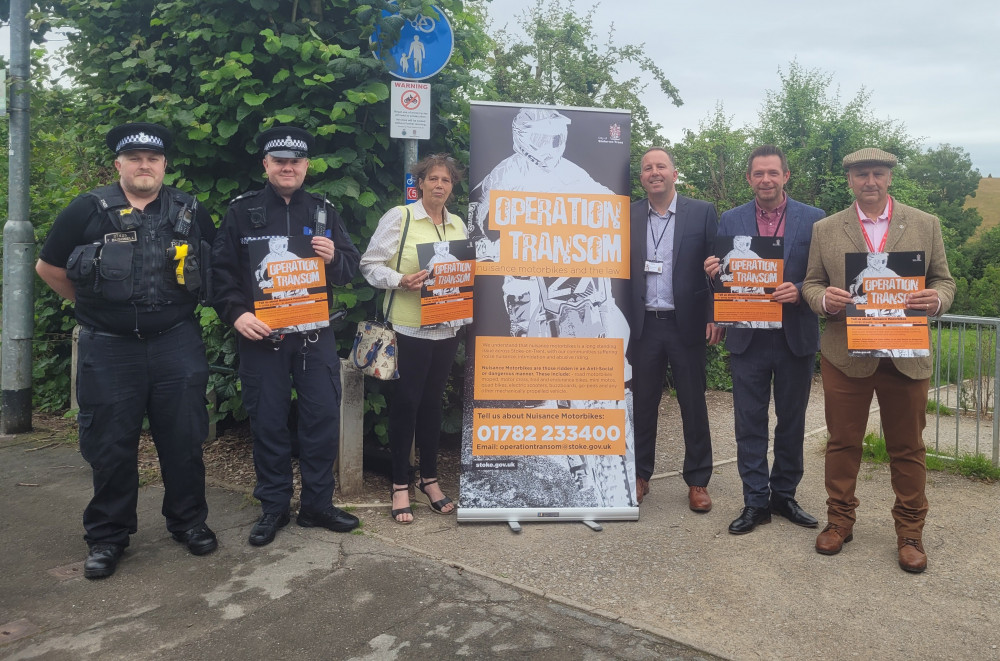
832,539
911,555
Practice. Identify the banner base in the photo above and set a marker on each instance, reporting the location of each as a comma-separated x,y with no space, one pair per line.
546,514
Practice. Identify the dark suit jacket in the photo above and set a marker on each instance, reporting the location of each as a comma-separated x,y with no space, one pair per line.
695,226
798,321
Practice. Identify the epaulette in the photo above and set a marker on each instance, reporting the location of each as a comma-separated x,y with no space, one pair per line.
248,194
319,197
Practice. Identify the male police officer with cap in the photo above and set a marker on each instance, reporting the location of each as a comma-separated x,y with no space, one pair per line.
283,208
131,258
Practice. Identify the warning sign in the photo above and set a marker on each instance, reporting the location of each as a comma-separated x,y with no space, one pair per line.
411,110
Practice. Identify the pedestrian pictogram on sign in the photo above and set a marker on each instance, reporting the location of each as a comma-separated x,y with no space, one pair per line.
424,46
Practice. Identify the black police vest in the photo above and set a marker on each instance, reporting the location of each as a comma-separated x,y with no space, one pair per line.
131,264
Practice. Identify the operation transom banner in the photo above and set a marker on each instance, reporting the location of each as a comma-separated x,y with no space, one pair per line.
547,431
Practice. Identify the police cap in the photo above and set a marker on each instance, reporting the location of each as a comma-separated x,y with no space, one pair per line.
285,142
869,156
138,135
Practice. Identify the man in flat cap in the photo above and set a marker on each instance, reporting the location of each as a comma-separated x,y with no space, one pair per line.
272,362
130,256
874,223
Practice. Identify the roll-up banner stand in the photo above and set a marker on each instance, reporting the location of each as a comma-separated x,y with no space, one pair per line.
547,433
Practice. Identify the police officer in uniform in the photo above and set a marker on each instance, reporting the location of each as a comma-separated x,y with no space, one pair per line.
270,364
131,258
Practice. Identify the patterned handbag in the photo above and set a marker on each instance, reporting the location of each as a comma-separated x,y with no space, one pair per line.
374,351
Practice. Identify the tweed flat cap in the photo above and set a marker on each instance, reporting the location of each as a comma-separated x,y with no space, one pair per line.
870,156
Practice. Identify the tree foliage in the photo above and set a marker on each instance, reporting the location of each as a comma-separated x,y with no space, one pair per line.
806,118
217,72
713,161
946,173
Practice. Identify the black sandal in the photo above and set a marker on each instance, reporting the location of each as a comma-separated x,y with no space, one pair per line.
437,505
401,510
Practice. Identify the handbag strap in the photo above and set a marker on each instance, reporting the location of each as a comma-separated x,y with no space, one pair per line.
399,259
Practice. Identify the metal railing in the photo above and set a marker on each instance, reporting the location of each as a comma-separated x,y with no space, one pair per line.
964,396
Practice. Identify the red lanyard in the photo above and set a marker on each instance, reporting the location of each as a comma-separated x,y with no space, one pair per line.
881,245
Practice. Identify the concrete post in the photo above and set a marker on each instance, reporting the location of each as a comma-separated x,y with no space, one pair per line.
350,461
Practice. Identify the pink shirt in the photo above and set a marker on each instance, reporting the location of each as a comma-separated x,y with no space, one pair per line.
772,223
877,228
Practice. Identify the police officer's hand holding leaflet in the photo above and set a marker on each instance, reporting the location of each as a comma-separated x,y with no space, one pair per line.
132,257
270,365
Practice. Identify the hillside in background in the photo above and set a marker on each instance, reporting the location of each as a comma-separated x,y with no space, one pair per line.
987,200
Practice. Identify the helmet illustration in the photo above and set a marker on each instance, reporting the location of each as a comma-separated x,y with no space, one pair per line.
540,136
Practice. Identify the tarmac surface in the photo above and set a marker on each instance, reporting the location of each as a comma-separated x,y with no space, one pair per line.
674,585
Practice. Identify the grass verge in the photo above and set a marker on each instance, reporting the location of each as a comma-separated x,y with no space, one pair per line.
975,466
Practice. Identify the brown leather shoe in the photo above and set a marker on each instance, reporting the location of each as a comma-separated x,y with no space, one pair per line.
832,539
911,555
641,488
699,500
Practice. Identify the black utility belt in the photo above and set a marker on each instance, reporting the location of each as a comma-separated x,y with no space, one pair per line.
135,335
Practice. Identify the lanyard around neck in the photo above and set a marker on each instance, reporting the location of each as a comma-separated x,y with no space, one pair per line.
868,240
444,229
663,232
777,227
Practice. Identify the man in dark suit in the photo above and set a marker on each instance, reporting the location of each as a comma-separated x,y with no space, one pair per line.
784,356
875,222
671,319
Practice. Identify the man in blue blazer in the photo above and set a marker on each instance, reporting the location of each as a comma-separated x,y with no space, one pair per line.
670,320
784,356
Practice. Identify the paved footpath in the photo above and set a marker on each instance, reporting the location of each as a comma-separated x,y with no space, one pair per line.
674,585
311,594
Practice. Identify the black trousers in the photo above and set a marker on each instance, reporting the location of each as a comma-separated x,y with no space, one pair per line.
415,406
119,380
268,371
659,346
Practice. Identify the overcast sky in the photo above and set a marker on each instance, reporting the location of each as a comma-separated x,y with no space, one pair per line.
935,66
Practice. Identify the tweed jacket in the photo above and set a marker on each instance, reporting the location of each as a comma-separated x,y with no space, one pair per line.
909,229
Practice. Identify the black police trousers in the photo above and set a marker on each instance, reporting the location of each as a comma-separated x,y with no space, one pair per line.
120,379
268,370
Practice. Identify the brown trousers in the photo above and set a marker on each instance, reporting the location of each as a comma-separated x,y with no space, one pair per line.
903,411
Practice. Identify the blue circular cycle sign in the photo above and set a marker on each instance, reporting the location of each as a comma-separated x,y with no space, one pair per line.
424,47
